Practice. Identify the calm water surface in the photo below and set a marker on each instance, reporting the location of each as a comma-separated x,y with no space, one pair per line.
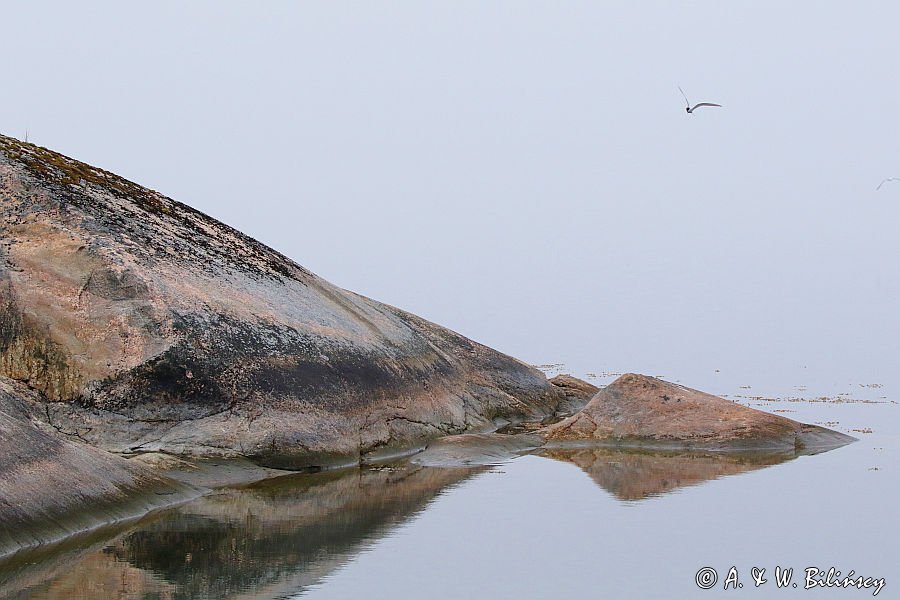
580,524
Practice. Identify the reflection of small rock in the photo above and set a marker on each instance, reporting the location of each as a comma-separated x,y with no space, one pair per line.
634,474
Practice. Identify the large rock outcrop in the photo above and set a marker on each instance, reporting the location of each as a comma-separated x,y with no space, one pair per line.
637,410
149,326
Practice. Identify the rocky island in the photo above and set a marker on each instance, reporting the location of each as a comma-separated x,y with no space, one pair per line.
132,325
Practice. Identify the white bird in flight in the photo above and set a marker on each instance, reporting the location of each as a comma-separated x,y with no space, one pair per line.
690,108
884,181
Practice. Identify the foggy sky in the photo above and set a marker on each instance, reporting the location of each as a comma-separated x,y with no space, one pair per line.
521,172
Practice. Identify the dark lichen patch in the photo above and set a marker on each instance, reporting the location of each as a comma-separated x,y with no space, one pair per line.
342,378
10,319
28,354
219,364
201,239
172,386
56,168
42,365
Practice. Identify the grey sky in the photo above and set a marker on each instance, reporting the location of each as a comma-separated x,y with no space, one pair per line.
521,172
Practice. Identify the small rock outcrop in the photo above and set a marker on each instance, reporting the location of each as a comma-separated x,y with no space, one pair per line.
637,410
577,391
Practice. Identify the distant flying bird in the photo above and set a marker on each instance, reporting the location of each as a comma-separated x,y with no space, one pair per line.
690,108
884,181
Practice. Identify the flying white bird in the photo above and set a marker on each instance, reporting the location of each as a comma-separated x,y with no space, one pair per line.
884,181
690,108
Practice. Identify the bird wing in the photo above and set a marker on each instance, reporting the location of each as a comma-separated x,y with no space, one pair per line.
686,101
696,106
884,181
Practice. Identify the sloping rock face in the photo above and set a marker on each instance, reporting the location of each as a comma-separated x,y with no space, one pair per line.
149,326
637,410
51,487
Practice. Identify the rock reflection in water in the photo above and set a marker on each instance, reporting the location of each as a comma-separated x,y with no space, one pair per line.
635,474
265,541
